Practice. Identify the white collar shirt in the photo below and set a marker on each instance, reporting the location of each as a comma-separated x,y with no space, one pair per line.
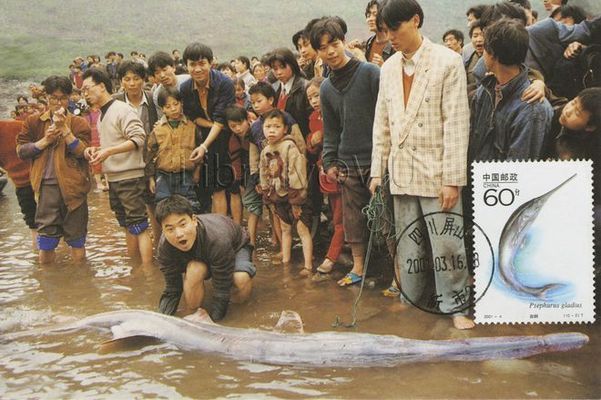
409,64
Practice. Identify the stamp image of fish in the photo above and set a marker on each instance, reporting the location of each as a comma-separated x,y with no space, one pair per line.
540,215
512,239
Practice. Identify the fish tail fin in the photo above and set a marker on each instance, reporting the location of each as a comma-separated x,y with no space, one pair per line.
127,343
545,291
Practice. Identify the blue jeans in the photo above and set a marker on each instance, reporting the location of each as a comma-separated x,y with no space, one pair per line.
168,183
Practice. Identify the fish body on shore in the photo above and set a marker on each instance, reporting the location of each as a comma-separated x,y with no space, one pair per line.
322,349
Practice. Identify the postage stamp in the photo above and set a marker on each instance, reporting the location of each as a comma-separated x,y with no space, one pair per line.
539,217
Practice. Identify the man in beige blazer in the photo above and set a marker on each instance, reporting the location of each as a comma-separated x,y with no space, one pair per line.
420,136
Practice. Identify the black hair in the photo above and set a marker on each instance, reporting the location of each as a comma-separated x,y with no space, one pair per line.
131,66
341,22
276,113
507,41
577,13
477,10
110,53
236,113
263,88
395,12
174,204
590,99
240,82
476,24
99,76
284,56
302,34
160,59
196,52
23,97
244,60
224,65
325,26
120,55
310,26
255,66
456,33
54,83
378,5
369,5
522,3
132,53
265,58
174,50
501,10
165,93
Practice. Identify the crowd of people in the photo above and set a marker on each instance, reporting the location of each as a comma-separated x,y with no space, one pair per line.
187,147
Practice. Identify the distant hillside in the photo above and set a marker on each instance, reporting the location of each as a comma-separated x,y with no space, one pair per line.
42,37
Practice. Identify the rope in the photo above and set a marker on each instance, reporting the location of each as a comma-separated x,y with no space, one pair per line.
376,212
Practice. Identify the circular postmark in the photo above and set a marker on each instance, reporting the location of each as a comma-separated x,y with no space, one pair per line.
437,259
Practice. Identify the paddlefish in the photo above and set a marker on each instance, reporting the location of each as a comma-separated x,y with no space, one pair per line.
323,349
512,240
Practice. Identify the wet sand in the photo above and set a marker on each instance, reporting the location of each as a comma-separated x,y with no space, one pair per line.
69,366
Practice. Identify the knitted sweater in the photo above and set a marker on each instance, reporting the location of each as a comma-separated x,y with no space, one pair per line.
119,124
348,117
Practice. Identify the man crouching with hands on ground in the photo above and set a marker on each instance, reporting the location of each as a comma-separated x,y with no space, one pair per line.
194,248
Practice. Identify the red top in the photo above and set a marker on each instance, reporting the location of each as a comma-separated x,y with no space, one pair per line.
315,125
236,147
18,170
92,118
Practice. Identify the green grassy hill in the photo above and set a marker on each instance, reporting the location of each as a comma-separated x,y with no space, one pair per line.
39,38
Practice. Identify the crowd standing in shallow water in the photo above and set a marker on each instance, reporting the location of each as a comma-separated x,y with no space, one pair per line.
183,145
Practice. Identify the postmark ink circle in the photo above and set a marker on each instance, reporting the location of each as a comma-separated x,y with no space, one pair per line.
427,270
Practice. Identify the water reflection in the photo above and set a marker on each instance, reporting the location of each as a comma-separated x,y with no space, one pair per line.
68,365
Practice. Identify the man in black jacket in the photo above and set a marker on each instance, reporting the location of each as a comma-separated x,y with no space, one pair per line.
195,248
206,96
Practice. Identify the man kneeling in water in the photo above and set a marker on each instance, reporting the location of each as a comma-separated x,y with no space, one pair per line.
194,248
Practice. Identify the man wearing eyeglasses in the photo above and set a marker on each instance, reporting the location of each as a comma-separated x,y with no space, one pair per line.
55,141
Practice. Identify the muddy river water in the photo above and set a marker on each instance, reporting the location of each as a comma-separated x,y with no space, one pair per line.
69,366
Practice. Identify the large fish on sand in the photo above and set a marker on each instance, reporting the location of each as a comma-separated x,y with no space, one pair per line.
323,349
